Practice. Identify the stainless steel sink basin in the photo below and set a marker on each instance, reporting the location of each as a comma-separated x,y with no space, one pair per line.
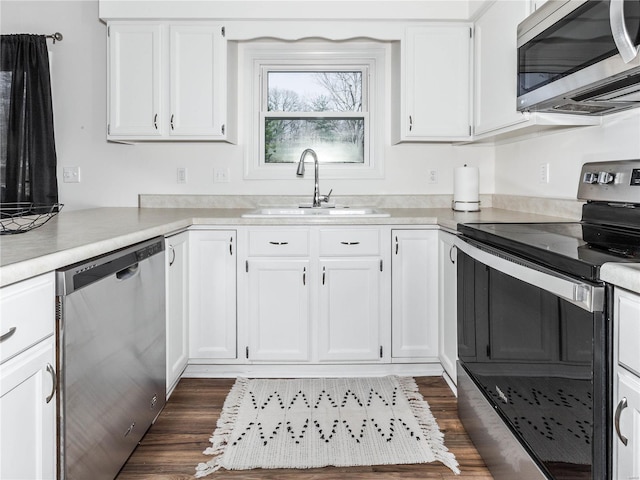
335,212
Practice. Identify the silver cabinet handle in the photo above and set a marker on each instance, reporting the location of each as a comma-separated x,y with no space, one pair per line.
54,382
304,276
130,429
410,123
397,245
451,252
173,255
324,273
350,243
231,246
621,406
6,336
628,51
155,121
279,243
171,121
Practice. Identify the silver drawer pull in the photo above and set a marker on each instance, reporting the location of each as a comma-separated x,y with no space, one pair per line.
621,406
54,382
279,243
5,336
130,429
350,243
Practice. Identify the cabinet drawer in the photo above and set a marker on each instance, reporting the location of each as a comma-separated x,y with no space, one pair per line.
627,308
350,242
278,242
26,314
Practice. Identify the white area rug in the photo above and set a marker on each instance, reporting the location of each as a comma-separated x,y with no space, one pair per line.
316,422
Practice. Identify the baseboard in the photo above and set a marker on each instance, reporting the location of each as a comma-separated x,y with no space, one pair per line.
288,371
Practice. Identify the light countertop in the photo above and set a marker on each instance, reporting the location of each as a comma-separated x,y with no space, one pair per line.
624,275
75,236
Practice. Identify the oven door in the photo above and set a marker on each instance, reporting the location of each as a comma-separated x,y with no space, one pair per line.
534,343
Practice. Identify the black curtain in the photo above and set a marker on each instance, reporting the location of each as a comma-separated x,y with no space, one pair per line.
27,148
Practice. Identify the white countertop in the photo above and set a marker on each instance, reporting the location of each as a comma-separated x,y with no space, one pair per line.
75,236
624,275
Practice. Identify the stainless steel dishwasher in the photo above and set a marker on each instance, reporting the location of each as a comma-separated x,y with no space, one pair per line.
111,355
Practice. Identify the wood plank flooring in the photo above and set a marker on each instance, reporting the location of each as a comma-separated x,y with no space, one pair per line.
173,445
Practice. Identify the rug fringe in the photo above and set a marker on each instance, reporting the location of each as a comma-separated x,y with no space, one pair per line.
224,427
426,420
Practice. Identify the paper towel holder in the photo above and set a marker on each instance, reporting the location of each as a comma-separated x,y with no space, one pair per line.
459,206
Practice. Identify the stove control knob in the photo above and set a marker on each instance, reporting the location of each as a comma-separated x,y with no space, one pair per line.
605,178
590,177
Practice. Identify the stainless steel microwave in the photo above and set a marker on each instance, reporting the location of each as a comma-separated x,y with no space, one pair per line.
580,57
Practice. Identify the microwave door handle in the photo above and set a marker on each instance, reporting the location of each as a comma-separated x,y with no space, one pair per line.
628,51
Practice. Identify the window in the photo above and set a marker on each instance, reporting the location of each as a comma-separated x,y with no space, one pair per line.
326,96
315,109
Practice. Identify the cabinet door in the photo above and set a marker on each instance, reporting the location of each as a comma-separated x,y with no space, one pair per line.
436,71
212,301
135,84
198,57
278,298
28,415
414,297
447,315
350,296
627,457
177,273
496,66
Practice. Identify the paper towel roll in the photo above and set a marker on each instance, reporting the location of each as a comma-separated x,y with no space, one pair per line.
466,197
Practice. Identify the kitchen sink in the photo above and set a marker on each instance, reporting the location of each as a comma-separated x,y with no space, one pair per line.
321,212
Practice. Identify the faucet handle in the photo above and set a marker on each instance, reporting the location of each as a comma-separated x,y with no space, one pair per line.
325,198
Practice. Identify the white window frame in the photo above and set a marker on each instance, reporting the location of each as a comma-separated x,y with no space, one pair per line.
366,56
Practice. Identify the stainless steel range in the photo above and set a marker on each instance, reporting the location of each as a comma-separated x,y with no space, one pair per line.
534,333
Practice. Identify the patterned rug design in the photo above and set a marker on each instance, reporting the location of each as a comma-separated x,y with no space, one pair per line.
318,422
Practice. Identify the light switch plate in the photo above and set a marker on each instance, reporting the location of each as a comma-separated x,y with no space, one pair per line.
71,174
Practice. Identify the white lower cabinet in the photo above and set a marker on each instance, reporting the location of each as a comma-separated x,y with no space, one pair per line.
414,299
315,295
626,435
448,303
28,380
278,308
28,415
212,295
349,323
177,296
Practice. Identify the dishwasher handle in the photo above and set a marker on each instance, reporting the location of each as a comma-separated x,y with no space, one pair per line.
128,272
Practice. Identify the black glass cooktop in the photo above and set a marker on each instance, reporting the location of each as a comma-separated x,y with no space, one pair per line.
578,249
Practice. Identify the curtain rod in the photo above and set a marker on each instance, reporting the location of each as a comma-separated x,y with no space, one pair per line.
56,36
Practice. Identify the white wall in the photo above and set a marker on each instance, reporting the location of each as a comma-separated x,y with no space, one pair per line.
517,164
113,174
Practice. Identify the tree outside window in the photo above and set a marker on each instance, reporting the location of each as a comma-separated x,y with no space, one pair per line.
320,109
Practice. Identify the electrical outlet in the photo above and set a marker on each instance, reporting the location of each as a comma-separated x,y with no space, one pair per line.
221,175
182,175
433,176
544,173
71,174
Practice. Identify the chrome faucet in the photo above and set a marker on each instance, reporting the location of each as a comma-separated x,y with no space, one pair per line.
317,198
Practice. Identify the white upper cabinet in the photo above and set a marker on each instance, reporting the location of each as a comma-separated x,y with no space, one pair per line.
168,82
433,84
135,98
496,66
198,103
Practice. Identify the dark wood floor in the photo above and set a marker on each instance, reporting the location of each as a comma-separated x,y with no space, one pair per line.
174,444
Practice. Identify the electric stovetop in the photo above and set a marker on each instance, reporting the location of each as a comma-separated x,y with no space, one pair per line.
578,249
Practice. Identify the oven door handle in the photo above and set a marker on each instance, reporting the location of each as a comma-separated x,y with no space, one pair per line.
584,295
